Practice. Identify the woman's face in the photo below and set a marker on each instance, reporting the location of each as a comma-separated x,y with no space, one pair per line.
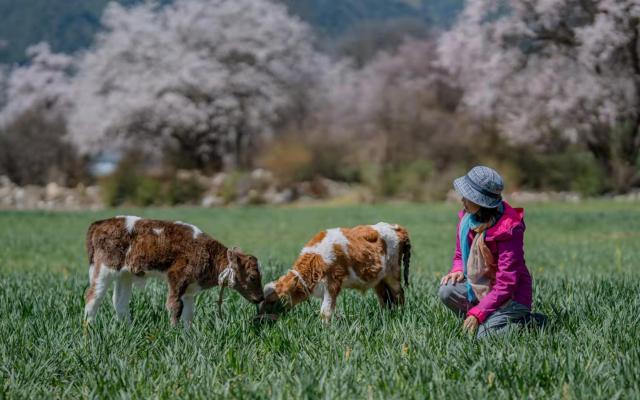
470,206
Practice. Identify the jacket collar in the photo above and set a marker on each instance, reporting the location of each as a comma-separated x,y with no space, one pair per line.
511,218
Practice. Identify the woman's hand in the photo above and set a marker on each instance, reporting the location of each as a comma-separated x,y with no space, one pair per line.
454,277
470,324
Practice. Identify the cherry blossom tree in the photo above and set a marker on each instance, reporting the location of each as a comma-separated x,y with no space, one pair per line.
44,84
399,103
555,67
207,80
398,119
34,148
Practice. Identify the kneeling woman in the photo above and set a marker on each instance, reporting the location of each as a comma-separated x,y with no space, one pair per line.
489,282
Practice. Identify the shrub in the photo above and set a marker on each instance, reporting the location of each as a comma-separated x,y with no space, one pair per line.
129,184
296,157
183,190
33,151
570,169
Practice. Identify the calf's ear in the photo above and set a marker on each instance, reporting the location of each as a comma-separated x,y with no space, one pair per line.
233,255
270,294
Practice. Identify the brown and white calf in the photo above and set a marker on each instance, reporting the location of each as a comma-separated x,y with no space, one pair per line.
363,257
127,250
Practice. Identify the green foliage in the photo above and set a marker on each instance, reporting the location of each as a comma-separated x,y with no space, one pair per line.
128,185
583,259
406,180
119,186
228,190
571,169
147,192
295,158
184,191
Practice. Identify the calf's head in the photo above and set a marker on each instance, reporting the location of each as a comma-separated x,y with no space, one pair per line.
243,275
282,295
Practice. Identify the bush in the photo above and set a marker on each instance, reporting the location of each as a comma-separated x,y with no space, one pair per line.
33,151
130,185
405,181
294,158
183,190
571,169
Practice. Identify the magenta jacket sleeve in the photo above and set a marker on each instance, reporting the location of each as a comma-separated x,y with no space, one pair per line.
510,261
457,255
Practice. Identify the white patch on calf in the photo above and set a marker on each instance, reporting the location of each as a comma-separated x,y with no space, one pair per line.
325,247
269,288
158,231
130,221
390,236
195,229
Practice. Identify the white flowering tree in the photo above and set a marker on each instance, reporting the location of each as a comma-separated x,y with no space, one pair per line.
34,148
555,67
205,79
43,84
398,103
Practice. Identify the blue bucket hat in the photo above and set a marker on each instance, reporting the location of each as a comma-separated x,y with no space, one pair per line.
482,185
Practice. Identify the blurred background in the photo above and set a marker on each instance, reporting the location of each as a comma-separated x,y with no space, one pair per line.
218,102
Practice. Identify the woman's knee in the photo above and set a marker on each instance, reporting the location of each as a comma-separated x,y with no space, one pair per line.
446,293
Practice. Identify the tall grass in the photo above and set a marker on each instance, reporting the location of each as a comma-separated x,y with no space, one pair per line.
584,260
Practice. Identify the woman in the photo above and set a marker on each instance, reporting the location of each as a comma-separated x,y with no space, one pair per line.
489,282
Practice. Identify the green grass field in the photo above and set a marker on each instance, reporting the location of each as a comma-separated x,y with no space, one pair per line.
585,261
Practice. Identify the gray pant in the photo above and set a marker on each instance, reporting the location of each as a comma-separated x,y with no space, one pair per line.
454,296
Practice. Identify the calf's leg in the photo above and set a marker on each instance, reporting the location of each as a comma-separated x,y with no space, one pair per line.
390,292
177,282
187,310
122,295
385,297
331,292
174,303
102,278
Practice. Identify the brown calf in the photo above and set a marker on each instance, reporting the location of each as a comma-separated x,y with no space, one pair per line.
363,257
128,249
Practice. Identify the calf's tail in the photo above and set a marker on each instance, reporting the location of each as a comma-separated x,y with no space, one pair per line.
404,246
406,258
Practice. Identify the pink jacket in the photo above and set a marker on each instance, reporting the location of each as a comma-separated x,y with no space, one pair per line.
506,241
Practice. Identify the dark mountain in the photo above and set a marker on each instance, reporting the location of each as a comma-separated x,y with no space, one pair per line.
70,25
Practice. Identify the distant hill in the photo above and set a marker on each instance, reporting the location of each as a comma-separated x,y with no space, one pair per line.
66,24
69,25
335,17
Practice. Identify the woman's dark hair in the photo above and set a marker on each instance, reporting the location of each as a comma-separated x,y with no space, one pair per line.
485,214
